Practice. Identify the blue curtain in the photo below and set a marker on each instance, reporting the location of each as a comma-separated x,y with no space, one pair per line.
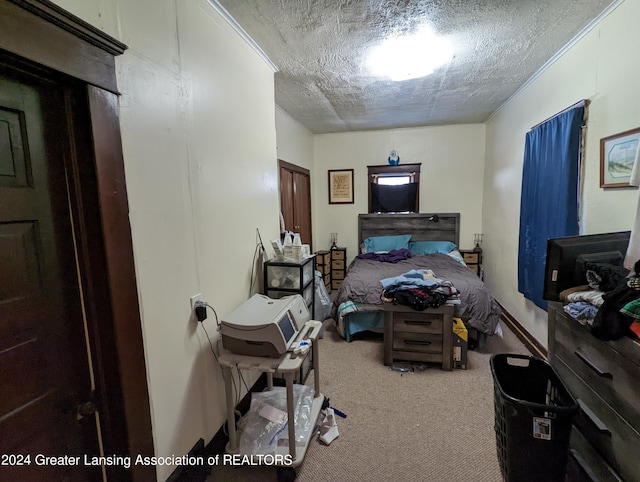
549,202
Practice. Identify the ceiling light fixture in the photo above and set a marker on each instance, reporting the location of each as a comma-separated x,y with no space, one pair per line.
410,57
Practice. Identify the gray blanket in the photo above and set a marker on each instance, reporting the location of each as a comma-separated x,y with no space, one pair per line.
477,307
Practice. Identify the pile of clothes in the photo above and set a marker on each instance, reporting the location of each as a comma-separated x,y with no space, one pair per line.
419,289
619,314
609,302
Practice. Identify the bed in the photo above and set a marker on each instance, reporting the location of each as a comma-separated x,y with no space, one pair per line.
357,305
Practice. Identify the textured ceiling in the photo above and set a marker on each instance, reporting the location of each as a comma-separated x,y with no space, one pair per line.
320,47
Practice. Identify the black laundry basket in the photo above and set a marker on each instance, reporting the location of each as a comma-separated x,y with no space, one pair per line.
534,413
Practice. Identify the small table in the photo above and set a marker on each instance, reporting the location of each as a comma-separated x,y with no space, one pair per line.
287,364
425,336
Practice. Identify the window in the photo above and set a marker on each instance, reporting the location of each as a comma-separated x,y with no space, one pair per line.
550,193
394,188
394,180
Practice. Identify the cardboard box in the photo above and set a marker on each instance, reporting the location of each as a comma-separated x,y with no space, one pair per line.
460,339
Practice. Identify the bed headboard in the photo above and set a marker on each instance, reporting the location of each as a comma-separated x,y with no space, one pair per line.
421,226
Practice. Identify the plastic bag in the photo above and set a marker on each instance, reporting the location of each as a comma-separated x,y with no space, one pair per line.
322,304
261,436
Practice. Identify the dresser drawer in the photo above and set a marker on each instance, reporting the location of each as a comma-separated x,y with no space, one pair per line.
417,342
337,264
337,254
337,275
610,435
585,464
417,323
470,257
613,377
322,257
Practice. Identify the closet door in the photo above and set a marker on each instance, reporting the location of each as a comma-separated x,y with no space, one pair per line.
302,206
295,200
286,198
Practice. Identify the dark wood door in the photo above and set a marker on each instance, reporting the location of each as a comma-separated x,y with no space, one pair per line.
45,364
286,198
302,206
295,200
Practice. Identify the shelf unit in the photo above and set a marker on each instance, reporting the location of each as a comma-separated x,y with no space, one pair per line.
289,278
473,259
338,267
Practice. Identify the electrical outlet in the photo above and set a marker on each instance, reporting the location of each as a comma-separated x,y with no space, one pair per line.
194,299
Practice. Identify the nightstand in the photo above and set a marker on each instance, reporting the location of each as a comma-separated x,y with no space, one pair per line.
473,259
338,266
412,335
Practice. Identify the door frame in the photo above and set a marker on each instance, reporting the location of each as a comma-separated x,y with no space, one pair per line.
42,36
301,170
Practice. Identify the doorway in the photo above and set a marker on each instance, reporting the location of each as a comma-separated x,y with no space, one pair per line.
71,351
48,405
295,200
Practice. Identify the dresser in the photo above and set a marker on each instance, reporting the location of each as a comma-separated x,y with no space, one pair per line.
425,336
604,376
338,266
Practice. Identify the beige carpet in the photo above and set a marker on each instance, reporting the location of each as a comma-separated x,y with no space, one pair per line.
427,425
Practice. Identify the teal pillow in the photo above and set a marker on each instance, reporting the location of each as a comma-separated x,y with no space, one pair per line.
378,244
431,247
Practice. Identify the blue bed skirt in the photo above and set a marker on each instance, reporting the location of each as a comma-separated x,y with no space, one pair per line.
363,321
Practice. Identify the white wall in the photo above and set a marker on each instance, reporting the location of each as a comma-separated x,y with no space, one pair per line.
600,67
295,142
452,160
199,140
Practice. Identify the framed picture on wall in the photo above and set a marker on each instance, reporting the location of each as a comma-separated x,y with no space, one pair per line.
618,154
341,186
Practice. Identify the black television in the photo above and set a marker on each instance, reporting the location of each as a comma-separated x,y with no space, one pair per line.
561,269
394,198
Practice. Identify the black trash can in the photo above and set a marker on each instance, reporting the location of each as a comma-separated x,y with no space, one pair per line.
534,413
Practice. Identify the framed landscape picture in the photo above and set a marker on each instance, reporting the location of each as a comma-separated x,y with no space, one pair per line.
618,154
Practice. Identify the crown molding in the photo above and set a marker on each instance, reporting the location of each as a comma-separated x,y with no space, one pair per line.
243,34
590,26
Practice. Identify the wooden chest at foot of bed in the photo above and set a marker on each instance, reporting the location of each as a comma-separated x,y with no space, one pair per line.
425,336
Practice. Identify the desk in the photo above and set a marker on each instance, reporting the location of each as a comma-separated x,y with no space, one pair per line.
287,365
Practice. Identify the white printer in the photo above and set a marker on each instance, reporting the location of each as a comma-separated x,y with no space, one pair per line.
262,326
